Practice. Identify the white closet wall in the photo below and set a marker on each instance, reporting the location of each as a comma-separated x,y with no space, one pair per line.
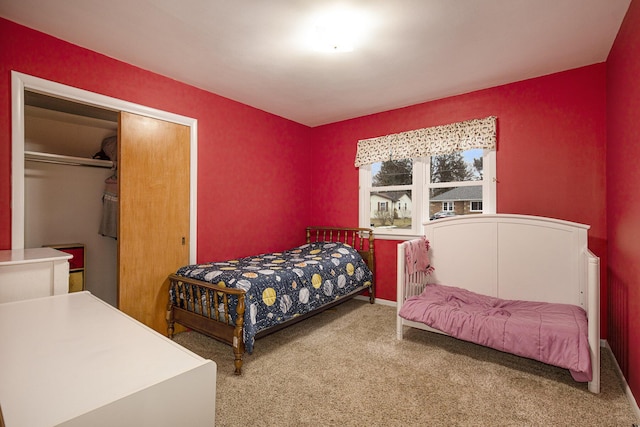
63,203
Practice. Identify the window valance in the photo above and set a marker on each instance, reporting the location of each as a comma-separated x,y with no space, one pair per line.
436,140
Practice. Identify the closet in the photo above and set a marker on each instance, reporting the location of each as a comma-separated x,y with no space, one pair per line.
64,185
63,188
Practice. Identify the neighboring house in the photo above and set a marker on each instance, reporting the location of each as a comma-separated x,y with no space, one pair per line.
389,205
459,200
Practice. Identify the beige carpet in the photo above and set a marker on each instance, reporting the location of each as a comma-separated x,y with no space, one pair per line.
344,367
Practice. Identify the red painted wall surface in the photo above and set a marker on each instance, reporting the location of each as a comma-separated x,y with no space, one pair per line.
246,157
550,158
623,195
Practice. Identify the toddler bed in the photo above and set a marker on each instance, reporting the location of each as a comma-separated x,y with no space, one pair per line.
521,284
237,301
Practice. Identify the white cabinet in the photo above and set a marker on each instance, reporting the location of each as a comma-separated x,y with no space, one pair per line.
74,360
33,273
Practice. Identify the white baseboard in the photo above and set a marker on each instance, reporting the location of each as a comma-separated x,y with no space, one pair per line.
378,300
625,386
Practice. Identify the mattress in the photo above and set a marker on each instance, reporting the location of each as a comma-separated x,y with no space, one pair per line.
283,285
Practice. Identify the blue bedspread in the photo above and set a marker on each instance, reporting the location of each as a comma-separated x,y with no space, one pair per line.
285,284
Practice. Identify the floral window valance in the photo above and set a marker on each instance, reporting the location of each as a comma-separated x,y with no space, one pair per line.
436,140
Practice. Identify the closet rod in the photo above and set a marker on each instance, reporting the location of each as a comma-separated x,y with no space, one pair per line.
60,159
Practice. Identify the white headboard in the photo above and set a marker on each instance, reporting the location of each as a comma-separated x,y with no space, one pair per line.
512,256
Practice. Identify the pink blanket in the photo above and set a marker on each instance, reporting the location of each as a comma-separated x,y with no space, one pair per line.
417,256
555,334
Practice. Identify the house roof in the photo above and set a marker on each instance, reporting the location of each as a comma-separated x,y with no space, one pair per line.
393,196
405,52
459,194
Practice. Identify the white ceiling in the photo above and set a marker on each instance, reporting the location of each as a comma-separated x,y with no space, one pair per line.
410,51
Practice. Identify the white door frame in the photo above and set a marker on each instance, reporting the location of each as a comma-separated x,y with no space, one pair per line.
20,82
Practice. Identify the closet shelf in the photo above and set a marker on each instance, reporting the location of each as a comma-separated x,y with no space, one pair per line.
66,160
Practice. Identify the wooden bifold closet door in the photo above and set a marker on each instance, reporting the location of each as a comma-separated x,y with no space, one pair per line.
153,229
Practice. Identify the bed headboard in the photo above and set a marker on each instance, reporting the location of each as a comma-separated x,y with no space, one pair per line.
513,257
361,239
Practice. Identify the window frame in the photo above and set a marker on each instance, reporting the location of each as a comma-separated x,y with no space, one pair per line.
471,209
420,195
448,206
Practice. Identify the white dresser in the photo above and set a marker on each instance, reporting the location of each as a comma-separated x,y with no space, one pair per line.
74,360
33,273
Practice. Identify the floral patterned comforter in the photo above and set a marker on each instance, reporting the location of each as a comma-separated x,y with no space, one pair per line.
285,284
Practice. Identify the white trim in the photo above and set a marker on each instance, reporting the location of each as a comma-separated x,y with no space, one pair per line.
17,161
20,82
489,183
363,199
632,400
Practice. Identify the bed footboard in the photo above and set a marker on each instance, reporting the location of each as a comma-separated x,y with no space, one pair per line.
210,309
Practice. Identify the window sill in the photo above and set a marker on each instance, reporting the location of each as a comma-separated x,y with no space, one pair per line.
381,235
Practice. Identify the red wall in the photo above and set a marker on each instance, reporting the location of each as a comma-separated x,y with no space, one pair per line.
246,157
623,195
550,158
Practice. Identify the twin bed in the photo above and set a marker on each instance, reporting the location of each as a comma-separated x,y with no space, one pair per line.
238,301
521,284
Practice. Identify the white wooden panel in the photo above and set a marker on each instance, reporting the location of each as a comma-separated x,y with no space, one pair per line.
164,404
464,255
73,354
18,282
33,273
539,262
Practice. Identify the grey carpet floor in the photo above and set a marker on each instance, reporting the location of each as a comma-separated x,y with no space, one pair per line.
345,367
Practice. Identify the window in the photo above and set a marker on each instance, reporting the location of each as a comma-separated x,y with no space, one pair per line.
398,196
476,206
390,192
